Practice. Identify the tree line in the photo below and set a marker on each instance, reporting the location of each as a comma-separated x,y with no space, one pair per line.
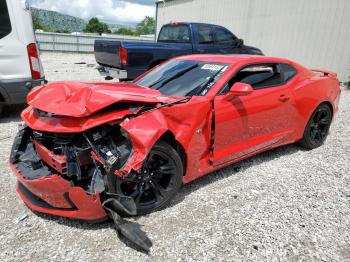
145,27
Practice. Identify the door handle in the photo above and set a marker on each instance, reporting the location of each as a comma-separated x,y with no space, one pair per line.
201,50
283,98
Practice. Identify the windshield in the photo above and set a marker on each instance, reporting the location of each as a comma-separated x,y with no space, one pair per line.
183,77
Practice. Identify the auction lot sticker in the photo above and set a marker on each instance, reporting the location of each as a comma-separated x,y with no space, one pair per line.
212,67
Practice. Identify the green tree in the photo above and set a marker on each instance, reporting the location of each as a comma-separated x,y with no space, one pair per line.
65,31
124,31
37,24
146,26
95,26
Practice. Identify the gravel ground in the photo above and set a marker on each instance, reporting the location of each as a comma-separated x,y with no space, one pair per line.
287,204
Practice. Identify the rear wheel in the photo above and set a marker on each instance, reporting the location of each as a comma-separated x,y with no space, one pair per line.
158,181
317,128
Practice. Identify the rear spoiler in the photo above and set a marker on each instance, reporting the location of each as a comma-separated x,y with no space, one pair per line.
325,73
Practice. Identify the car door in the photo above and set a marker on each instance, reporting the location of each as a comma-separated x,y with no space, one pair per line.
204,42
225,42
248,124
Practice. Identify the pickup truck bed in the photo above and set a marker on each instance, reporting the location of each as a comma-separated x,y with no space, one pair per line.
140,58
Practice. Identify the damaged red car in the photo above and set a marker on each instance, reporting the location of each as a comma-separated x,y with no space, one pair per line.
84,142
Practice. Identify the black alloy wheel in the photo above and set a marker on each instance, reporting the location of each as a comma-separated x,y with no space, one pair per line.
317,128
158,181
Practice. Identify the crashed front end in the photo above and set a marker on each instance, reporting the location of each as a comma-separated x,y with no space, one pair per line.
66,174
70,150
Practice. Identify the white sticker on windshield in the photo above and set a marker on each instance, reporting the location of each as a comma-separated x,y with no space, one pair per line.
212,67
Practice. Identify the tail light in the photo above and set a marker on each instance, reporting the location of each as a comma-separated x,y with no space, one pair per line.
123,55
34,61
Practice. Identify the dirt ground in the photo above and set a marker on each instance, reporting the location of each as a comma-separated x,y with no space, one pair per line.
284,205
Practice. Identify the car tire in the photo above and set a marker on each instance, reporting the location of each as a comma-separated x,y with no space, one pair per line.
151,188
1,108
317,127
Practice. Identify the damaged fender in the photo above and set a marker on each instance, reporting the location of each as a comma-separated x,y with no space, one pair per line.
192,131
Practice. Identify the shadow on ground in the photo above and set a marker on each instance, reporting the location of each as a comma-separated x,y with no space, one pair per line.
193,186
233,169
12,113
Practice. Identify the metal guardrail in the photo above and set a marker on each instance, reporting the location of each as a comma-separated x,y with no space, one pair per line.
78,42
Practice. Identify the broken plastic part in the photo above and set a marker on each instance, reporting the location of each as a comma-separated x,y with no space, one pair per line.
19,140
122,204
133,232
116,205
97,182
73,163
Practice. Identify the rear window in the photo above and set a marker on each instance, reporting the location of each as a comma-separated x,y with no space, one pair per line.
287,71
174,34
5,24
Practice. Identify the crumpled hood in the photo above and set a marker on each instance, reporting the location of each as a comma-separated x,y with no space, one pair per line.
81,99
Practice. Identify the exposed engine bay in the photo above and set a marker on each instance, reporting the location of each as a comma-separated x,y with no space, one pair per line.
84,159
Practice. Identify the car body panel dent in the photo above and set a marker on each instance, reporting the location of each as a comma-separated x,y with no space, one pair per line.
191,128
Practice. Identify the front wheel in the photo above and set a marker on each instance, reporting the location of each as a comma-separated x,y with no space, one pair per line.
317,128
158,181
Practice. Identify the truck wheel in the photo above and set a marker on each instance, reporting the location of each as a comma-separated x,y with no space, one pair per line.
158,182
1,108
317,128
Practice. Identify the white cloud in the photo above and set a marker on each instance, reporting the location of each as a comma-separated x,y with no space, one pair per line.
111,11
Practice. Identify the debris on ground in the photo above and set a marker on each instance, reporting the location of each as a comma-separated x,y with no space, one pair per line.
21,218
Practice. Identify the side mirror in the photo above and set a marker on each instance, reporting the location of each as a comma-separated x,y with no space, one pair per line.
239,42
241,89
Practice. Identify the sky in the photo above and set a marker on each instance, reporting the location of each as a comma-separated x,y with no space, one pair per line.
127,12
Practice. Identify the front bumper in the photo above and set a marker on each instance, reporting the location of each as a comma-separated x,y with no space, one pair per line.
54,195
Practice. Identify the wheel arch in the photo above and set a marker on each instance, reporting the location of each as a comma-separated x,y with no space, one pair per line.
169,138
330,106
328,103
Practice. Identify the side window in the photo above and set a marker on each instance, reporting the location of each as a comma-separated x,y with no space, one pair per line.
5,23
204,35
259,76
287,72
223,37
262,76
174,34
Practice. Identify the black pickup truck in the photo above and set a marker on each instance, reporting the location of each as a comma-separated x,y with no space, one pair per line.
127,60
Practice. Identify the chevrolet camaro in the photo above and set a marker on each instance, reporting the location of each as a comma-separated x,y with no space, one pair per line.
83,143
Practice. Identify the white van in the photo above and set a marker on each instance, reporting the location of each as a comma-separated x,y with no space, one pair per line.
20,65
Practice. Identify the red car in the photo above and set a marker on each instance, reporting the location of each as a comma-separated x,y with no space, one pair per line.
84,142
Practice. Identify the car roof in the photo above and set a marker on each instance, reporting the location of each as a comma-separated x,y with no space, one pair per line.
235,59
192,23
